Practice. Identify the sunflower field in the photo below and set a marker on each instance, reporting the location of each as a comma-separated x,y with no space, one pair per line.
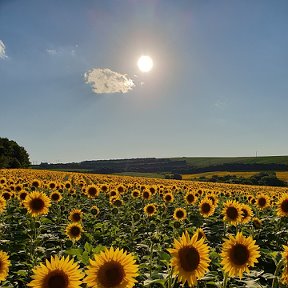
70,230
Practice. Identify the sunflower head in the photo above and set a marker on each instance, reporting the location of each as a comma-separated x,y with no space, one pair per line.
2,204
238,254
55,196
263,201
75,215
37,203
180,214
206,207
190,258
146,194
282,206
95,210
112,268
168,197
190,198
92,191
74,231
4,265
57,273
135,193
232,212
150,209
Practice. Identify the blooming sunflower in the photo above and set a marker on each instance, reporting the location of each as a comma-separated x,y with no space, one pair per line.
94,210
112,268
146,194
74,231
4,265
37,203
135,193
150,209
2,204
200,234
206,207
263,201
180,214
247,213
282,206
190,198
238,253
168,197
284,275
22,195
92,191
190,258
232,212
55,196
57,273
75,215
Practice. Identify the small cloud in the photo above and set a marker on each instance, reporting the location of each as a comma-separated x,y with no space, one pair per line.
63,51
2,50
108,81
51,51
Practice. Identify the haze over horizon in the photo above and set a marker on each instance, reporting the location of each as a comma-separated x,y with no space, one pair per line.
71,90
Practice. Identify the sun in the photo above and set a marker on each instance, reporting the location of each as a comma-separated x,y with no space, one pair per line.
145,63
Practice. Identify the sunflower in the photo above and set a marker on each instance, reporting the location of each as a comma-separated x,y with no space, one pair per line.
285,254
92,191
52,185
94,210
57,273
232,212
263,201
190,258
55,196
168,197
37,203
75,215
146,194
4,265
206,207
284,276
2,204
150,209
36,183
74,231
22,195
257,223
180,214
282,206
200,234
238,253
112,268
7,195
135,193
190,198
247,213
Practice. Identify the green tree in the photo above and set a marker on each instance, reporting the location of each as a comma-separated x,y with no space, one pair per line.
12,155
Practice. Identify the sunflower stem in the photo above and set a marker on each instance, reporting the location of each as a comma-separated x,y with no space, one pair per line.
278,267
151,259
225,280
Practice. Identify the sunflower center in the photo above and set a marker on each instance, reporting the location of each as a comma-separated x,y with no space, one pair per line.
205,207
75,231
92,191
262,202
232,213
56,279
168,198
37,204
146,195
150,210
284,206
179,214
55,197
111,274
189,258
239,254
76,217
190,198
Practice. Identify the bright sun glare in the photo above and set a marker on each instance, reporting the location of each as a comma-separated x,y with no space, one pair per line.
145,63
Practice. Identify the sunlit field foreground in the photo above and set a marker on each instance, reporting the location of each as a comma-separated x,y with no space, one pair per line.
70,230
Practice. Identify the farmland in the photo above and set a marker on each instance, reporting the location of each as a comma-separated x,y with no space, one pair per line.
156,232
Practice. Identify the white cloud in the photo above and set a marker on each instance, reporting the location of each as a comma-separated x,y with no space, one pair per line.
2,50
108,81
63,51
51,51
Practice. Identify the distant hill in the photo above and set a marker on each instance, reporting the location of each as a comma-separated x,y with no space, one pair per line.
184,165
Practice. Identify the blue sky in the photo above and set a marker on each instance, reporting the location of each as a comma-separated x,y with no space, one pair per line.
218,86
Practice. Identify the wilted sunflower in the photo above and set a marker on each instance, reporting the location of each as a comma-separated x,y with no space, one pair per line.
2,204
190,258
206,207
4,265
247,213
37,203
112,268
190,198
150,209
55,196
74,231
168,197
180,214
262,201
57,273
232,212
75,215
282,206
238,253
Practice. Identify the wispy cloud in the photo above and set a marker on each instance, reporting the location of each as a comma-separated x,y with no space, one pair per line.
2,50
108,81
70,51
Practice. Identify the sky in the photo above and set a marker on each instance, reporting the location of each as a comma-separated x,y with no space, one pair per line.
70,88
